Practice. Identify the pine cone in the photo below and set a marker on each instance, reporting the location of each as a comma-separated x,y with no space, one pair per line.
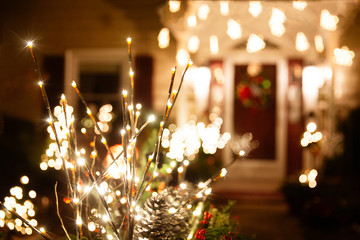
158,222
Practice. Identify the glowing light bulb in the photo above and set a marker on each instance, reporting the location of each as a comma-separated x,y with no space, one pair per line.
276,22
344,56
312,184
328,21
203,11
30,43
164,38
255,43
128,40
11,225
241,153
312,175
91,226
214,45
32,194
319,43
174,5
311,127
277,29
81,161
105,218
233,29
208,191
224,8
182,57
151,118
43,166
193,44
131,73
28,231
255,8
223,172
299,5
78,221
277,16
302,43
303,178
172,210
24,179
191,21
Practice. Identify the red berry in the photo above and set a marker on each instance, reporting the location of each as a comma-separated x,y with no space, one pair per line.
204,222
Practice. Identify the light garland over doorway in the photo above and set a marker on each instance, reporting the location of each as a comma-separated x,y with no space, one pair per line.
198,16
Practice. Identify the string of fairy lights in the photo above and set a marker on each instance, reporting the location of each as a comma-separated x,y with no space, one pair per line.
200,12
21,201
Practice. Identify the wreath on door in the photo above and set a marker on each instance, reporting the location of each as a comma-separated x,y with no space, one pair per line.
254,92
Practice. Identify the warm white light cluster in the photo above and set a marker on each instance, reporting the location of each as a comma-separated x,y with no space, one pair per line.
328,21
53,158
310,135
211,137
242,145
276,22
64,118
309,177
19,203
344,56
255,43
105,116
185,142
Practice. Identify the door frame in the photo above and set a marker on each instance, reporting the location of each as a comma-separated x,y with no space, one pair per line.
256,175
